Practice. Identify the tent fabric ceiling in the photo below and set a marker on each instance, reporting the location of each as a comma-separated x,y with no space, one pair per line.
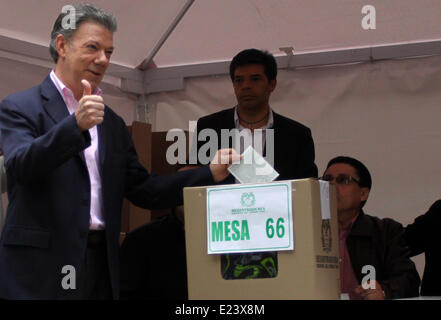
308,25
214,30
141,23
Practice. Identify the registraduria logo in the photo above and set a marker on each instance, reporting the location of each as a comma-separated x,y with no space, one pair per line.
248,199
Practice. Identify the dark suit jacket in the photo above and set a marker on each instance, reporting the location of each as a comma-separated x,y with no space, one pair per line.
380,243
293,145
423,236
49,191
153,261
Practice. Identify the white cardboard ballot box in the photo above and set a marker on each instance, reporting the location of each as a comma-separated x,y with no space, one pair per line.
310,271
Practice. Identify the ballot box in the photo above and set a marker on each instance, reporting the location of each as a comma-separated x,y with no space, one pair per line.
295,219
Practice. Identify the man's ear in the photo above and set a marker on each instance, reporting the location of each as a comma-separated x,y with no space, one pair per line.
273,84
61,44
364,194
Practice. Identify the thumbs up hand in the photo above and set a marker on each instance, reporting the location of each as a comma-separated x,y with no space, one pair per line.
90,110
87,88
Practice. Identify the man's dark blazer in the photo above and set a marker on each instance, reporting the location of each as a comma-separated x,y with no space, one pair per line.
380,243
48,215
153,261
293,144
423,235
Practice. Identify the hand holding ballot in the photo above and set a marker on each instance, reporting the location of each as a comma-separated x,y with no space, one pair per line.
221,161
253,168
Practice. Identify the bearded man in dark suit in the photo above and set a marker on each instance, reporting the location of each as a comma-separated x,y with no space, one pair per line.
289,147
285,143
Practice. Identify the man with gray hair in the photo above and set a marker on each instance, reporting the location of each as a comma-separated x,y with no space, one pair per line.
69,163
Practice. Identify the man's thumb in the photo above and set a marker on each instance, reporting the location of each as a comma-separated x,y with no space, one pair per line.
87,89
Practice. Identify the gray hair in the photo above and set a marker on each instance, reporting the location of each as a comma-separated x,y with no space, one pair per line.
83,12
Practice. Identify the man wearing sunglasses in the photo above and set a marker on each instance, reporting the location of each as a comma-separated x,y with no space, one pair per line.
370,248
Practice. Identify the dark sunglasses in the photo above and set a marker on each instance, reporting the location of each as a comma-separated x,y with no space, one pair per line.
340,179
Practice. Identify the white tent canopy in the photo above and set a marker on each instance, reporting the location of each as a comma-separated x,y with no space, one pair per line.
188,32
362,92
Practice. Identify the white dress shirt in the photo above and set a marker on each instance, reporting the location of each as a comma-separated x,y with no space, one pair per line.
91,156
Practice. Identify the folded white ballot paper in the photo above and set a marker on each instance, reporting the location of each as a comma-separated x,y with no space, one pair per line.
253,168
